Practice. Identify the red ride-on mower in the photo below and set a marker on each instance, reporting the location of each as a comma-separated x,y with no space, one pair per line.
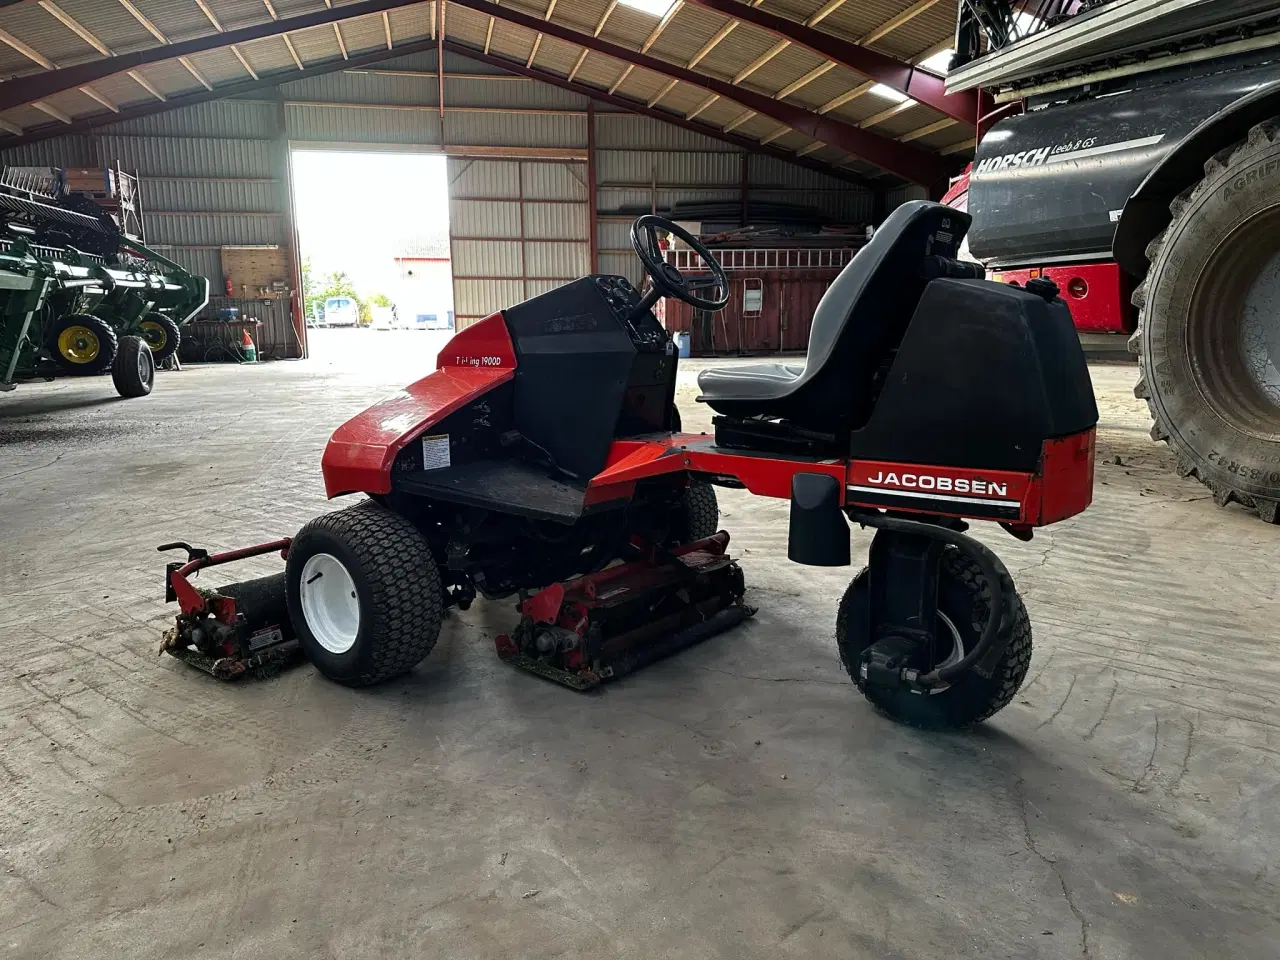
544,459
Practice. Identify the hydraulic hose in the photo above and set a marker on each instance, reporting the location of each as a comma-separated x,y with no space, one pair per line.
998,579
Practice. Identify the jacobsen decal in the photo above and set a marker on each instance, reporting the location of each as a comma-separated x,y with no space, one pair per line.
1003,490
1075,150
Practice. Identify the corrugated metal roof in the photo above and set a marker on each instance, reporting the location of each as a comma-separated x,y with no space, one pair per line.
111,23
683,36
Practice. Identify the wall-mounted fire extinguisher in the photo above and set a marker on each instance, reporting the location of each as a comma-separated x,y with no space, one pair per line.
230,287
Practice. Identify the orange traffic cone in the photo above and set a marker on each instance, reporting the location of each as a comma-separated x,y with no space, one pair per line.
246,346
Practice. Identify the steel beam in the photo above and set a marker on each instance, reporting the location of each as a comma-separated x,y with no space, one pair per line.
639,107
919,85
903,160
48,131
14,93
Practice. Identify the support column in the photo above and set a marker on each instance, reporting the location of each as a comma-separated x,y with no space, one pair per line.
592,227
285,160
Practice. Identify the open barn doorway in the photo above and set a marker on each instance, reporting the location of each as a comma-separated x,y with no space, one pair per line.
373,240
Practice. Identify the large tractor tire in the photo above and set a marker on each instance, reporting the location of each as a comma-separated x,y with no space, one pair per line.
964,604
82,343
1208,336
162,335
364,594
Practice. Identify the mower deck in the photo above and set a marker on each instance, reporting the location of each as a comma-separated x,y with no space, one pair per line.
605,625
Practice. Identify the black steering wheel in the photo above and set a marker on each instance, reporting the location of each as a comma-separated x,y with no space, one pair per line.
667,280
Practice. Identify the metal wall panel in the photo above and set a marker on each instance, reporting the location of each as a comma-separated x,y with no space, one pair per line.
557,261
201,261
487,258
622,265
362,125
527,220
485,218
630,132
250,196
190,228
192,156
483,178
218,118
364,88
555,221
473,299
514,130
849,205
59,152
663,199
554,181
641,166
505,91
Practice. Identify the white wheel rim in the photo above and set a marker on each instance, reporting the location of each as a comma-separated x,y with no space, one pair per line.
329,603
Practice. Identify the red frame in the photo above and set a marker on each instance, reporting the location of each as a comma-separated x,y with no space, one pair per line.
360,455
1097,293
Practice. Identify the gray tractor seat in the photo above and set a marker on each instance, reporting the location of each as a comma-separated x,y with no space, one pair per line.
856,327
756,381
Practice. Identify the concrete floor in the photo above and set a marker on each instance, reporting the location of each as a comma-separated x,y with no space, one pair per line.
738,801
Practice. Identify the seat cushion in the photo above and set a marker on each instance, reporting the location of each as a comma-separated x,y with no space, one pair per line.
756,381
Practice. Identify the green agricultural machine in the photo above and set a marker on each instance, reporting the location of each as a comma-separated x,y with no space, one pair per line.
78,294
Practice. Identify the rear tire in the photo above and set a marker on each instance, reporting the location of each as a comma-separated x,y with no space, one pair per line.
1208,337
162,334
391,621
134,370
82,344
964,603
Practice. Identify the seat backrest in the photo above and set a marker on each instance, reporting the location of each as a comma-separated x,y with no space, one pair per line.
862,317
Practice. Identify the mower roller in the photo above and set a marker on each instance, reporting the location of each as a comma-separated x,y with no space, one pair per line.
544,460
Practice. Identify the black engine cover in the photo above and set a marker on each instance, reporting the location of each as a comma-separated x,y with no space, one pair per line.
584,375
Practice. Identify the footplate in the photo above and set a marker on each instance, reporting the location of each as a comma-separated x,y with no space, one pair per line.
602,626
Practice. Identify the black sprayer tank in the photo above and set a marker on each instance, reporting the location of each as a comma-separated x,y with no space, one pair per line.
1050,184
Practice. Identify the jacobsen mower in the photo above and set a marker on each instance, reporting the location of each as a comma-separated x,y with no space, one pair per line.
544,459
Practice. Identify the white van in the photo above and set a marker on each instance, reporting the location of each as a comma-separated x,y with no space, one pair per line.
341,312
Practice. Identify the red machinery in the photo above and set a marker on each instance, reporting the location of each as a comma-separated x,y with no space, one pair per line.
544,459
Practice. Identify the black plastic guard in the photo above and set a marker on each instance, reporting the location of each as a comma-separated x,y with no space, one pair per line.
819,534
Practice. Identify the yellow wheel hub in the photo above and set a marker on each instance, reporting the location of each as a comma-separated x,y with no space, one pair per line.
79,344
155,335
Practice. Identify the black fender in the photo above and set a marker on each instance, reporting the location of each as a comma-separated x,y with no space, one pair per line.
1146,212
